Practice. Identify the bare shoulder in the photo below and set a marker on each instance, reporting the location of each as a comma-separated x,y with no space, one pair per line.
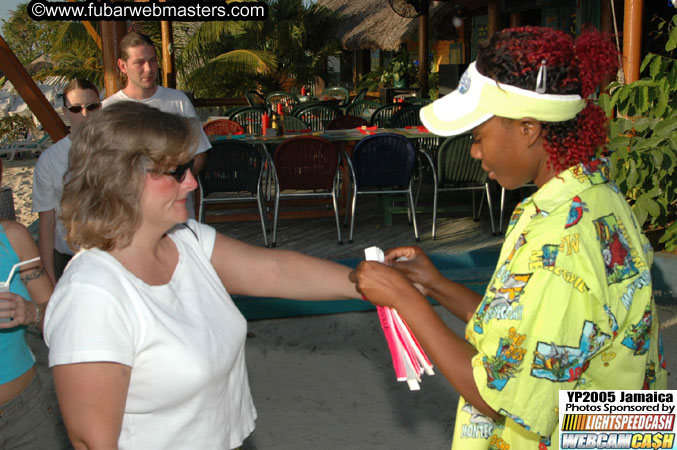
20,238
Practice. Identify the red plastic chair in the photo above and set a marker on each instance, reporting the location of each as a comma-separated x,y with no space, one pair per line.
222,127
306,163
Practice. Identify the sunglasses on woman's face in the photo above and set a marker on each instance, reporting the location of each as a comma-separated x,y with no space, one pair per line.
179,174
76,109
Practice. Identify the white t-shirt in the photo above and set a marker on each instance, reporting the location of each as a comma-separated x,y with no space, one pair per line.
48,187
166,100
184,342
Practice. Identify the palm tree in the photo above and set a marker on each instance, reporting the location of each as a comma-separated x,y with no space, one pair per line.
229,58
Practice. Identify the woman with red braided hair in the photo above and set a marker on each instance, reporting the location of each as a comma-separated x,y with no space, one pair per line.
570,304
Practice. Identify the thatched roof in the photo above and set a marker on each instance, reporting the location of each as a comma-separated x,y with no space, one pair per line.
372,24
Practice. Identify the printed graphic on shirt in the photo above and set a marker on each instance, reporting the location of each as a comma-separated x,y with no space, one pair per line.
515,217
596,171
498,443
613,323
644,279
505,365
649,376
504,304
479,426
637,337
562,363
576,210
661,356
516,419
615,249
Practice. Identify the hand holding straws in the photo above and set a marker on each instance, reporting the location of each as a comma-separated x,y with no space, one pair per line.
409,359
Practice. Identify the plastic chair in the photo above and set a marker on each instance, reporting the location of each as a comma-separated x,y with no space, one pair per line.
383,164
29,144
249,118
317,115
361,94
409,116
292,124
362,108
222,127
457,171
383,115
346,123
338,91
230,112
288,101
256,99
306,163
235,168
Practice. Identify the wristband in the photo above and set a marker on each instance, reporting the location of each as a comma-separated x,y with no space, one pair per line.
37,313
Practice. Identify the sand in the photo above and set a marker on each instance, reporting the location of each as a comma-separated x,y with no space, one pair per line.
18,175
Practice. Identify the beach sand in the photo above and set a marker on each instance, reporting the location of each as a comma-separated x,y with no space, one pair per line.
18,175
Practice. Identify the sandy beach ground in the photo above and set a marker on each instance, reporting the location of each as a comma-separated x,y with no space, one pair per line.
18,175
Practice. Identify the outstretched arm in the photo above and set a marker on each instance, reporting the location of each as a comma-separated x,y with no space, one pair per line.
249,270
457,298
452,355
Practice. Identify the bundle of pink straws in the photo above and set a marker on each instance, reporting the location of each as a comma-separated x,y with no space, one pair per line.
409,359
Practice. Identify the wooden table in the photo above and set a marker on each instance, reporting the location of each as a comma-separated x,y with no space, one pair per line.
349,135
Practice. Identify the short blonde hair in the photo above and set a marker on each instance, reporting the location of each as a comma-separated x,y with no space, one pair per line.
106,170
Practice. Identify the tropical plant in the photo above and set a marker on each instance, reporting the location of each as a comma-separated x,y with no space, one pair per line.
643,142
229,58
27,38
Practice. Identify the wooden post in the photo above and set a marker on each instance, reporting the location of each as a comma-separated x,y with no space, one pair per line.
168,70
493,17
632,39
423,60
516,19
111,34
23,83
606,17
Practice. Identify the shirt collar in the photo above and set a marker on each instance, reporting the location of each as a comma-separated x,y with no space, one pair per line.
569,183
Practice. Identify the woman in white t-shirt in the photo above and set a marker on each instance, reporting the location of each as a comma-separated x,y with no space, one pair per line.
146,345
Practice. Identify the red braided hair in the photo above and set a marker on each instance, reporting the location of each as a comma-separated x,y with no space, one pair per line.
514,56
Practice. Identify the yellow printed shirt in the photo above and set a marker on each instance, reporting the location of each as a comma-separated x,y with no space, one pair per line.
570,306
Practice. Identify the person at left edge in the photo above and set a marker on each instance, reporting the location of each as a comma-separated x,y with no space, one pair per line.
28,419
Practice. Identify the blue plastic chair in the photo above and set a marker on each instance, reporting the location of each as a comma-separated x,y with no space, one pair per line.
383,164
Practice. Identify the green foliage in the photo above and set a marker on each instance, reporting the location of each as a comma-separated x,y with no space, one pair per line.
15,126
27,38
643,142
221,59
400,68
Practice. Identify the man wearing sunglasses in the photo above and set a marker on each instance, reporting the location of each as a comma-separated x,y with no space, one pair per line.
138,65
80,101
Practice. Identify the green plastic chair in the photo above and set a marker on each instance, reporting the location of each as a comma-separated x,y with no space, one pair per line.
383,115
362,108
317,115
456,171
250,119
338,91
288,101
292,124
